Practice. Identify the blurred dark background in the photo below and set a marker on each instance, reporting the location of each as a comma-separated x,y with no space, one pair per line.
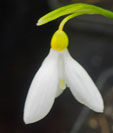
23,48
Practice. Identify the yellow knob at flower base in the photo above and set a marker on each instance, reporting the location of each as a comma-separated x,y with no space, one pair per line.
59,40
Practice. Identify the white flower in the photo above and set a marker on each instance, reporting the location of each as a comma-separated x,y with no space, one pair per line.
57,71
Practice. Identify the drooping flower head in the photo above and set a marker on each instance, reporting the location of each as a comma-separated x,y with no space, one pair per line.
59,71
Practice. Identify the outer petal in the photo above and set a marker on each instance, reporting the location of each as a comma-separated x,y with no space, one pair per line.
81,85
43,89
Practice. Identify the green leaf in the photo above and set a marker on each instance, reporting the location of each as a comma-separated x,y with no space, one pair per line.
74,8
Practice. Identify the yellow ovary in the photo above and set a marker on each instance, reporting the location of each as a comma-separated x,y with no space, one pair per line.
59,40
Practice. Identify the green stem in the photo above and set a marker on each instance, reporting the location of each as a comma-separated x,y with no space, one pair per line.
64,21
93,10
61,26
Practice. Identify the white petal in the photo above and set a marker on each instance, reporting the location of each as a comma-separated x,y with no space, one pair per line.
59,92
61,88
81,85
62,83
43,89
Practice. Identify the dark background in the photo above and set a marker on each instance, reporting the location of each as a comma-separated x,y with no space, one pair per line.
23,48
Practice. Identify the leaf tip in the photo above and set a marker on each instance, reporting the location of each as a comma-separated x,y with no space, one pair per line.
39,23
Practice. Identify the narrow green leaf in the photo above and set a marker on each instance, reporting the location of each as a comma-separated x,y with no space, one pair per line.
73,8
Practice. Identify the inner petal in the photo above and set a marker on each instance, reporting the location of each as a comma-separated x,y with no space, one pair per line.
62,83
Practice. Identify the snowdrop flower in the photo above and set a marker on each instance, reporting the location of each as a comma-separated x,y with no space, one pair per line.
58,71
